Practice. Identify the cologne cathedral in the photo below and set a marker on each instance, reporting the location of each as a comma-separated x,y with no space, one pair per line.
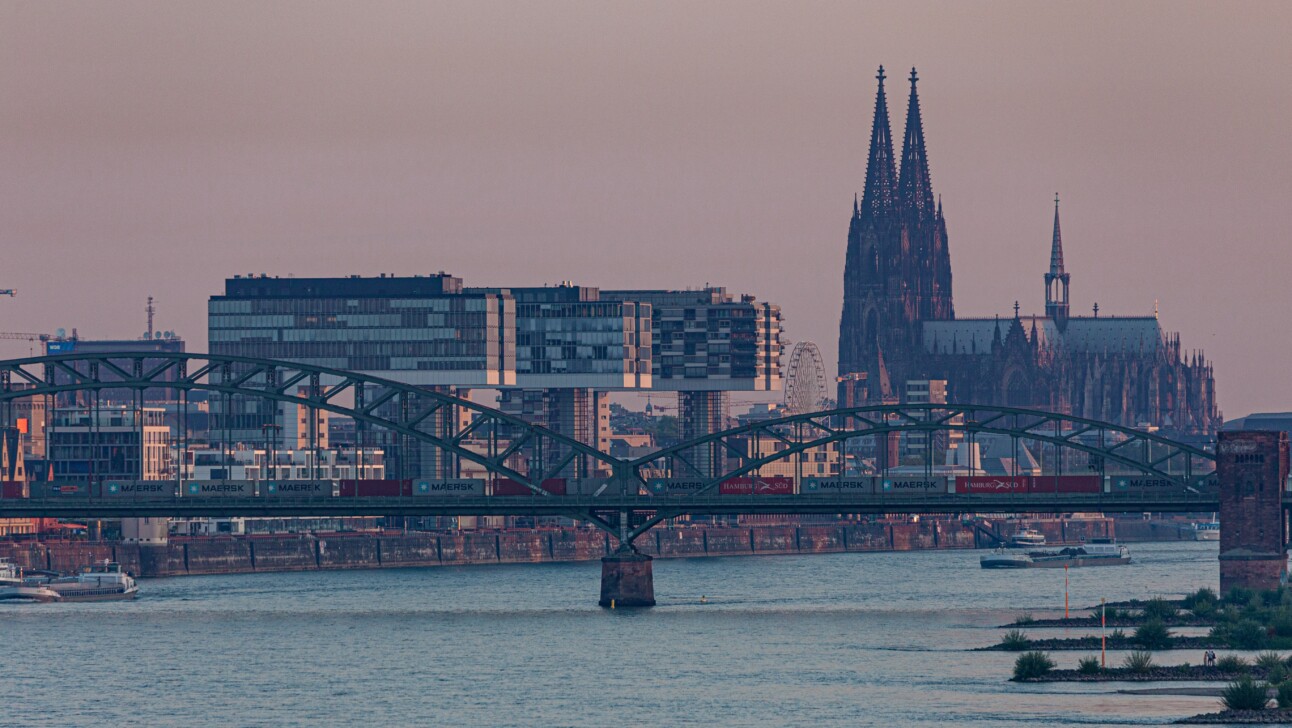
899,322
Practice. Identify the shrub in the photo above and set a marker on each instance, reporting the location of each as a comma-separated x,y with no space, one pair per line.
1159,609
1239,596
1284,695
1138,661
1247,634
1117,635
1015,640
1203,596
1152,635
1024,619
1244,694
1089,666
1031,665
1276,674
1232,663
1269,660
1281,623
1203,609
1271,598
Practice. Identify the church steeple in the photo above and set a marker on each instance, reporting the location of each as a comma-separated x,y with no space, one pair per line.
1056,280
914,186
878,198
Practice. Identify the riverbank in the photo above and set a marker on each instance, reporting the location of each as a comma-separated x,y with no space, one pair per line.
302,552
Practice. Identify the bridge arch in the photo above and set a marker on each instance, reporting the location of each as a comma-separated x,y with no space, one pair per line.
402,409
1134,450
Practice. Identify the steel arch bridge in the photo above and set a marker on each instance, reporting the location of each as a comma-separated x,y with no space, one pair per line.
1134,450
421,415
530,454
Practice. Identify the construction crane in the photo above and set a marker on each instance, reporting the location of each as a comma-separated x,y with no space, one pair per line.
23,336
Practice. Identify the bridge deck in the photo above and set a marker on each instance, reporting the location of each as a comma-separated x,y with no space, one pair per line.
565,505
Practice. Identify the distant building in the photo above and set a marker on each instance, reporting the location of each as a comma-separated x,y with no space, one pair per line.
899,322
93,445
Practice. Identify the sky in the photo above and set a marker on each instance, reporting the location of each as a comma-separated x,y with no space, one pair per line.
156,148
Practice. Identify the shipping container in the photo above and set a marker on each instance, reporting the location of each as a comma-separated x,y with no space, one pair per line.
45,489
770,485
908,485
507,486
220,489
1066,484
992,484
295,489
451,488
1128,483
838,486
375,488
13,489
677,486
138,489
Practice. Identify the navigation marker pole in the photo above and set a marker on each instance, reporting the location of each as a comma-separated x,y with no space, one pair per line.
1103,632
1065,591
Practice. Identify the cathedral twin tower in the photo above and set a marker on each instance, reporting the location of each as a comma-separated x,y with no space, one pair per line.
899,323
898,267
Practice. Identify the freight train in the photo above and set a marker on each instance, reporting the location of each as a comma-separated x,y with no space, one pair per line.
422,488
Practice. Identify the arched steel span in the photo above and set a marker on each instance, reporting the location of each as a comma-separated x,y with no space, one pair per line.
400,408
1139,451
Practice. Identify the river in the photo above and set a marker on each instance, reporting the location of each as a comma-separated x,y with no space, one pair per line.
838,639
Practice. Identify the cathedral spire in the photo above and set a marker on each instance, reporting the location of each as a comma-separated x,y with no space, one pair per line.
914,186
877,200
1056,280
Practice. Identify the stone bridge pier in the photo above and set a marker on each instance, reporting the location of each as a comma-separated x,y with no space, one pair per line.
1252,470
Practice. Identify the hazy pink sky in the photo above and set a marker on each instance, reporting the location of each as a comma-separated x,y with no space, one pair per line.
158,147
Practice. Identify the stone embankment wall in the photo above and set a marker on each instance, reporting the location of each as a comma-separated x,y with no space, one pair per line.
227,555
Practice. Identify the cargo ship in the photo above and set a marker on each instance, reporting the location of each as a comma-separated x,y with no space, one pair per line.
1098,552
98,583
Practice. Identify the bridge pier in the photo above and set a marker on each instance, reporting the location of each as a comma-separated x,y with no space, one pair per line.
1252,468
627,580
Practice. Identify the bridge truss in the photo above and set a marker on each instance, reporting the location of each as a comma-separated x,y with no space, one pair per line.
432,433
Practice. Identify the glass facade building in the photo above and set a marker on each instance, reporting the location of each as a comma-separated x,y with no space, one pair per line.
710,340
422,330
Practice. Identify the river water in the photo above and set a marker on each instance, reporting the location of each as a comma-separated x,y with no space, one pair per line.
877,639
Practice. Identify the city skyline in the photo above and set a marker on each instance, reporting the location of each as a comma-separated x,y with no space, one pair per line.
637,152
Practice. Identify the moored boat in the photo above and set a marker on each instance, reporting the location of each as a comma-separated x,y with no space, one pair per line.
1207,531
1098,552
10,579
98,583
1026,538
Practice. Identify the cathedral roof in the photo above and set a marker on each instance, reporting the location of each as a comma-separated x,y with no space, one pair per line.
1084,334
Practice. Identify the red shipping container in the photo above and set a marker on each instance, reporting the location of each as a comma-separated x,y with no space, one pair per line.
13,489
507,486
376,488
1067,484
773,485
992,484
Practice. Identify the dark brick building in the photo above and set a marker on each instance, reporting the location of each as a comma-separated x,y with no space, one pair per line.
899,321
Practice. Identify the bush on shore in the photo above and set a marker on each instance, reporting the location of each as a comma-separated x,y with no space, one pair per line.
1138,661
1152,635
1030,665
1245,694
1088,665
1015,640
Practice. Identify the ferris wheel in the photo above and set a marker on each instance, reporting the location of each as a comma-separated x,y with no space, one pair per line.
805,379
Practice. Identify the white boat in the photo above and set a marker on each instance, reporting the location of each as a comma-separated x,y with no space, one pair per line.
10,579
1207,531
1026,538
1098,552
98,583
